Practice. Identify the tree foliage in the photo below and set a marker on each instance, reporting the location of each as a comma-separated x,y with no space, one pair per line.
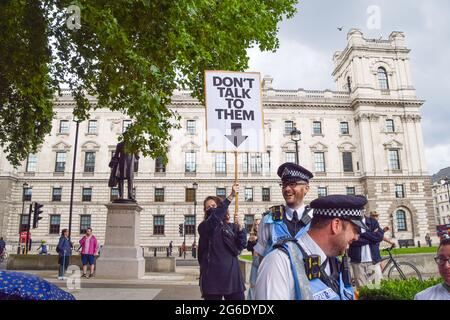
130,54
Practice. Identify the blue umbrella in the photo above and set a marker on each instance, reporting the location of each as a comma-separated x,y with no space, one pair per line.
24,286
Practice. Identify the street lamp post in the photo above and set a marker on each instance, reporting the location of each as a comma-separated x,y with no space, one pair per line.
73,177
296,136
24,185
195,187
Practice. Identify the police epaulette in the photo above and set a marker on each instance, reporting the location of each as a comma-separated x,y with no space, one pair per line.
277,212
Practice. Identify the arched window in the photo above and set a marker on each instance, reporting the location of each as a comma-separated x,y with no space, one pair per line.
401,220
383,79
349,84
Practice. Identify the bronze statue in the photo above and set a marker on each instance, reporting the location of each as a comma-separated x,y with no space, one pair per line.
122,168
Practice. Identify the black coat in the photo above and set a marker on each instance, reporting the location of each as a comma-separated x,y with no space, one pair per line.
219,268
372,237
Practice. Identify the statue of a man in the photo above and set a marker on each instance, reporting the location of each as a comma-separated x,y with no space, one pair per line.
122,168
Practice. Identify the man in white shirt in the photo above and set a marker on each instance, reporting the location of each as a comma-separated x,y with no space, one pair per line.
286,221
442,290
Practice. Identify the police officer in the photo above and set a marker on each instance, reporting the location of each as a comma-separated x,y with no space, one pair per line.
284,221
308,268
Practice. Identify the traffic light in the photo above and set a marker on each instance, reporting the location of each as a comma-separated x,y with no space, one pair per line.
37,212
180,229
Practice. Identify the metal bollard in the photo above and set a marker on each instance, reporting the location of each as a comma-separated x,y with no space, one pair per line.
154,254
418,243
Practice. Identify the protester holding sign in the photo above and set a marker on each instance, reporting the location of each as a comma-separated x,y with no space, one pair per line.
220,244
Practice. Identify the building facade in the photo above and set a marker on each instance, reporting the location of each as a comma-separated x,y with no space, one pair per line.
441,196
364,138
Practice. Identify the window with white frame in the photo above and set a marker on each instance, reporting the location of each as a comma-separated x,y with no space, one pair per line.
55,222
89,162
60,165
289,157
221,162
248,194
288,127
64,126
190,162
390,125
401,220
85,222
399,191
383,79
255,163
317,127
394,160
344,128
158,225
322,191
347,161
265,194
56,194
350,191
125,125
92,126
244,162
31,162
319,161
191,124
221,192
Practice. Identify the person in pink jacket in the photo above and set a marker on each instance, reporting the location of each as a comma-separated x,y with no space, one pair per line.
89,248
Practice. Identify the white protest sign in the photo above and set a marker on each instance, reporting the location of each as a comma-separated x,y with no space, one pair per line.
234,118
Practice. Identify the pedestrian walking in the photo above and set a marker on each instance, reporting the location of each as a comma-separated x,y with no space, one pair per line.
365,255
219,246
89,248
252,240
170,248
64,250
428,239
42,247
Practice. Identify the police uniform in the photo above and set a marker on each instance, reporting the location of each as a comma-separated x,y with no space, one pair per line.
300,270
281,222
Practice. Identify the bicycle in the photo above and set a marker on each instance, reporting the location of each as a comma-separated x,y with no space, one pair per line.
399,270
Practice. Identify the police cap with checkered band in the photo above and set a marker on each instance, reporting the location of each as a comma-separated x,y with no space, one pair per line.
291,172
350,208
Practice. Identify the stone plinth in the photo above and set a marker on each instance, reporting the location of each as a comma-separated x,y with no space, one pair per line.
121,256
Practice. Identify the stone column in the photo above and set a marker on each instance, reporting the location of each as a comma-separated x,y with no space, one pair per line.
121,256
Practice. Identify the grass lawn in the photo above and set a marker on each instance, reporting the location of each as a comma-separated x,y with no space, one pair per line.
411,250
246,257
397,251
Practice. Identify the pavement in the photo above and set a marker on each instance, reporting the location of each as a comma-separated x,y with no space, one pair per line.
182,285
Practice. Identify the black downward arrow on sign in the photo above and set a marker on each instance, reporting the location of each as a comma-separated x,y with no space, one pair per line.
236,136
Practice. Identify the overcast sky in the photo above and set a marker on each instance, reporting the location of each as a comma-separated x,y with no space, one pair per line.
309,40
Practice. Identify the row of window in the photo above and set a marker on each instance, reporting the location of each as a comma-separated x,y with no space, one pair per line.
249,162
55,222
92,128
159,223
190,194
289,126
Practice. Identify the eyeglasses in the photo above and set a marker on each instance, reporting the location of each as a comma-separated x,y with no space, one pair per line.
441,260
292,185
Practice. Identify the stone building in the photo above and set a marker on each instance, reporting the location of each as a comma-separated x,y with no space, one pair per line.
364,138
441,196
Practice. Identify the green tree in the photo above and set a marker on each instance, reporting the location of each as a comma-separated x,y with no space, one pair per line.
130,54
